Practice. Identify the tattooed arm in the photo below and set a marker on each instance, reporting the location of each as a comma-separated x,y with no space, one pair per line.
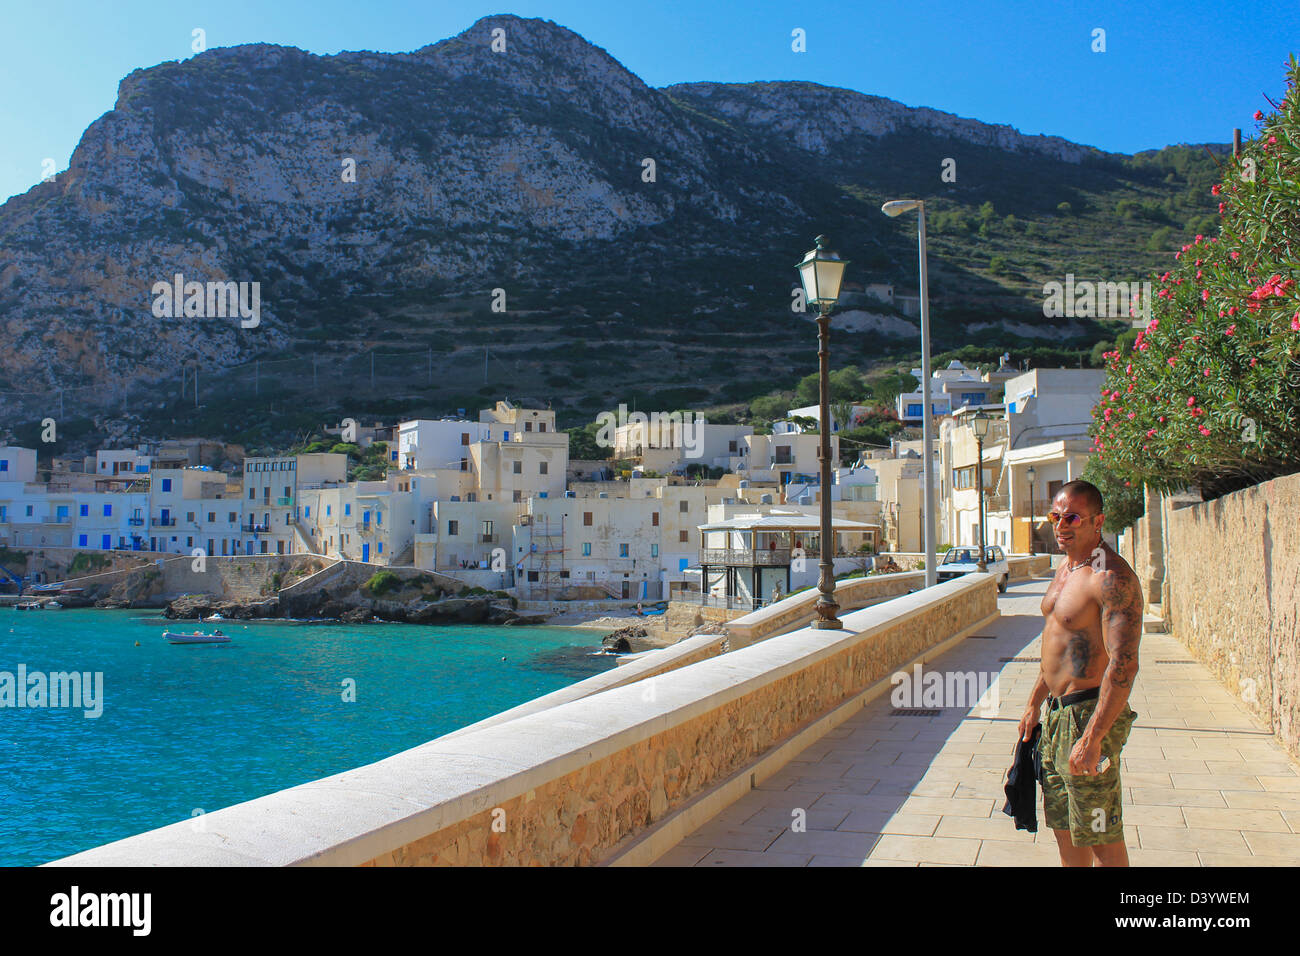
1121,628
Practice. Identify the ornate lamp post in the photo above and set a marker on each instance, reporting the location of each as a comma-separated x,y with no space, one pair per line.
894,208
821,272
1033,548
981,423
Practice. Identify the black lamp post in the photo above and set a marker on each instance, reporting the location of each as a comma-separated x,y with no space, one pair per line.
981,423
821,272
1033,549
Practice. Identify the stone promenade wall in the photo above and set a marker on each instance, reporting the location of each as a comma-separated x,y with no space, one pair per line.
1232,595
577,783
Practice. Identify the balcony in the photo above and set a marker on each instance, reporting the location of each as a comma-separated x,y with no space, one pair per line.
163,522
488,538
284,502
255,528
57,519
135,522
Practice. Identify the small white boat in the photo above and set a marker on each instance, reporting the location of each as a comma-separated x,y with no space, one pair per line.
213,617
53,605
197,637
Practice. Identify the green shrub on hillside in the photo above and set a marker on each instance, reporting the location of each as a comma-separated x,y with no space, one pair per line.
381,582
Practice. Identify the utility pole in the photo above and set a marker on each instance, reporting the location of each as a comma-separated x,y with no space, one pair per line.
196,386
372,371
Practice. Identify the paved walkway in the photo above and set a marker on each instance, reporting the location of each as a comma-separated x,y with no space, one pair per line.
1204,784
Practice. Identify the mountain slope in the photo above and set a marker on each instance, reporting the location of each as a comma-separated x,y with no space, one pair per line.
521,171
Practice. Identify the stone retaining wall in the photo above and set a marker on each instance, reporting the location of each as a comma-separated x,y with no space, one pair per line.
1232,595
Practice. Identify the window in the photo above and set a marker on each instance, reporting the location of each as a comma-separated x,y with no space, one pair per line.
108,511
654,519
166,484
231,516
306,512
783,455
189,516
212,517
541,426
622,550
453,527
189,542
381,547
682,537
347,509
329,509
683,507
464,438
541,468
81,540
487,530
914,411
252,493
287,492
532,575
29,511
517,467
464,464
4,464
528,426
654,550
586,549
586,518
84,511
731,446
519,495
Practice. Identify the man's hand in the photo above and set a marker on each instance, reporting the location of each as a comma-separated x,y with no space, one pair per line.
1085,756
1028,722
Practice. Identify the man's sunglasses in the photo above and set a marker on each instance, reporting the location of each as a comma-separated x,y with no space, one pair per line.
1071,519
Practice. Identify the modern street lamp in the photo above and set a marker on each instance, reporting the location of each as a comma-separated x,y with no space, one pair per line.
1033,549
821,272
981,423
894,208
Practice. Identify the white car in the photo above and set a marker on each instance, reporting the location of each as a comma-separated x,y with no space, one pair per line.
964,560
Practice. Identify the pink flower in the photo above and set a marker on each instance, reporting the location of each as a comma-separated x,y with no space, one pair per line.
1295,322
1235,255
1205,293
1151,432
1161,418
1230,329
1214,190
1191,400
1252,362
1132,415
1204,431
1172,361
1259,114
1207,373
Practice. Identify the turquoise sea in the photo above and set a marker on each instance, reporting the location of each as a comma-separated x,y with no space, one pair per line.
189,728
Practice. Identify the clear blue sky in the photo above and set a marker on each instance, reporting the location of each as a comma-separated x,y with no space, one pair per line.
1173,71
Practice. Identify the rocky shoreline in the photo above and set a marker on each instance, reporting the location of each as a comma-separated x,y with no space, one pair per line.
469,610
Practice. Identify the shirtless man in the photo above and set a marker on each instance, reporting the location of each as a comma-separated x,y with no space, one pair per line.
1090,658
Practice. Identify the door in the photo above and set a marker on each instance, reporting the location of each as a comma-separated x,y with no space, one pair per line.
365,551
166,516
626,589
107,542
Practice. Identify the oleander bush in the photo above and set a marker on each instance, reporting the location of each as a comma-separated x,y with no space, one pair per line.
1209,393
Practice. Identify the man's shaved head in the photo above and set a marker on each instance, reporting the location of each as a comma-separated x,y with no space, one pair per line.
1087,491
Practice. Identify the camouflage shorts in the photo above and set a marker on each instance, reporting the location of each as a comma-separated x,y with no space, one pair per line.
1087,806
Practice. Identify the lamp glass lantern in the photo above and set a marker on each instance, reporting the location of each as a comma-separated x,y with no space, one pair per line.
821,272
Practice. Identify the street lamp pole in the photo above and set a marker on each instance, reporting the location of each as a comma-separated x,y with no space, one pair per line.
821,272
1033,549
896,208
980,423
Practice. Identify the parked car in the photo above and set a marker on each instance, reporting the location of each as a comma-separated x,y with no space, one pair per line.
964,560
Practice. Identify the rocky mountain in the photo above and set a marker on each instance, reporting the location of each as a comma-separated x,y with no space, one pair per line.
532,217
